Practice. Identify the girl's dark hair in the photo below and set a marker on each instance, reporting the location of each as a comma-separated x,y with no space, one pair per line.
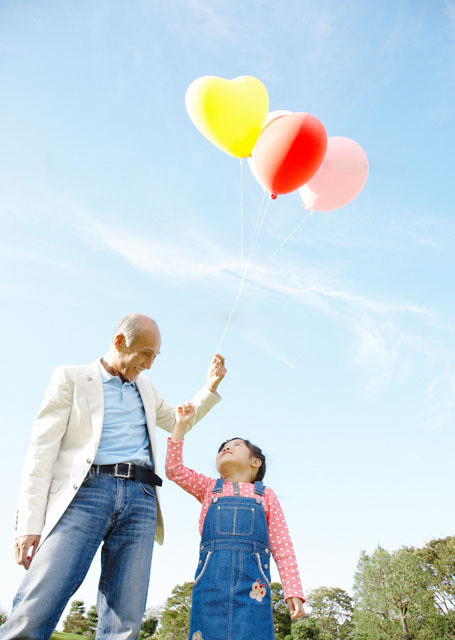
255,452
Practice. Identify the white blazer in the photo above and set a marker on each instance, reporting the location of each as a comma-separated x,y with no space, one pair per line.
65,439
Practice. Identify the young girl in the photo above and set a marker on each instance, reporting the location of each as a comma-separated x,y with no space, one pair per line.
241,523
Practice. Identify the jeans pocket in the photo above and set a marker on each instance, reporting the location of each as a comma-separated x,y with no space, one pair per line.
261,569
203,564
148,489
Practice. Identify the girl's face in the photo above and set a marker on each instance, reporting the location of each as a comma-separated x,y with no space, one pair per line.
236,455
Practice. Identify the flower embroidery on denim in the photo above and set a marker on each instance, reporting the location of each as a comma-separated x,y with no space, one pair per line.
258,590
197,636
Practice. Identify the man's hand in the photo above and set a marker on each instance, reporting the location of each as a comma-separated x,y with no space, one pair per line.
295,608
183,415
22,548
216,372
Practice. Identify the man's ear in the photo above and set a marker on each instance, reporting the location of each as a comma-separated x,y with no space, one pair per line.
119,341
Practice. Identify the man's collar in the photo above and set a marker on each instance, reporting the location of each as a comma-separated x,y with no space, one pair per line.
106,376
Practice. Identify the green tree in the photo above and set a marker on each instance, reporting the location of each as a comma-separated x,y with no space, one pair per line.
3,617
149,624
92,619
332,607
392,597
281,618
438,557
76,621
175,621
307,629
438,561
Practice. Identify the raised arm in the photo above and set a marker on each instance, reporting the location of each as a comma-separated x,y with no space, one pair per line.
194,483
204,400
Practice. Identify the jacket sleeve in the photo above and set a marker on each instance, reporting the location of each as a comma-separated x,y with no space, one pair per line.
47,433
203,401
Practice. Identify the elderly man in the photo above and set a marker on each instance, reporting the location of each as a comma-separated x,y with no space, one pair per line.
90,477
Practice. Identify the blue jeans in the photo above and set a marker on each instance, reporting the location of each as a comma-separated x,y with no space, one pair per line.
117,512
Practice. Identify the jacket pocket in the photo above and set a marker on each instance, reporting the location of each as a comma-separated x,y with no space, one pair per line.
55,486
199,575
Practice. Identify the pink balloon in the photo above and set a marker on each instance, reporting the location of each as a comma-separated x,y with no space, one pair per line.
340,179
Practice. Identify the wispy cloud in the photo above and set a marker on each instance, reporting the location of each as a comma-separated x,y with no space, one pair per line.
270,349
34,256
379,326
217,25
177,259
440,398
181,258
450,13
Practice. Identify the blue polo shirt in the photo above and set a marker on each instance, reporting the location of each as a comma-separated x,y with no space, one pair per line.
124,437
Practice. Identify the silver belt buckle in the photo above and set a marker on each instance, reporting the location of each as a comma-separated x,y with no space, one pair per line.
122,475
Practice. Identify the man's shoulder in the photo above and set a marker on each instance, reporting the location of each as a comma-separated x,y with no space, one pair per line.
77,371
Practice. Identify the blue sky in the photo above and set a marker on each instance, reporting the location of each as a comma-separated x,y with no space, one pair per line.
341,353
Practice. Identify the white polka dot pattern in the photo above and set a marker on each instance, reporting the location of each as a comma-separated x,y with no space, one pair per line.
201,486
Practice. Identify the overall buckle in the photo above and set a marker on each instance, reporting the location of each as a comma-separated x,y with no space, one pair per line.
118,474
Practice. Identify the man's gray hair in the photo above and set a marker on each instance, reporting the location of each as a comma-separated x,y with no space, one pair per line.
131,326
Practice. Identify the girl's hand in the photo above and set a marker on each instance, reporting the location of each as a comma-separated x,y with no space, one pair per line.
184,413
295,608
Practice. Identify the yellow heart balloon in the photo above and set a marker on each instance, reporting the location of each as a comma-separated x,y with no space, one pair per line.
230,113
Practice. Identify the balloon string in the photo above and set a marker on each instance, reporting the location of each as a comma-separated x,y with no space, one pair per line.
258,219
241,213
288,238
259,223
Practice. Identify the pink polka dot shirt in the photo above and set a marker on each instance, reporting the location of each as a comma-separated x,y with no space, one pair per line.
201,486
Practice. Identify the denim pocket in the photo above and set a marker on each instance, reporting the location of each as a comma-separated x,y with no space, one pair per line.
148,489
261,569
203,564
236,521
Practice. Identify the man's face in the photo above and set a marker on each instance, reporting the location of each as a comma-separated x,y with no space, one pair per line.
141,353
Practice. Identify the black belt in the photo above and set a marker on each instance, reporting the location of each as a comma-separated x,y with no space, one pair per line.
129,471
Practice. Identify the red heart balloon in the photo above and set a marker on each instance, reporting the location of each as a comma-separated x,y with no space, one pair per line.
289,152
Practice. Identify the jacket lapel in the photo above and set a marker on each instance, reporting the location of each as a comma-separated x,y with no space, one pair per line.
95,397
148,400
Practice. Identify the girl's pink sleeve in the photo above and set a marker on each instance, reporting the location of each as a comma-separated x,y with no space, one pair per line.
195,483
282,549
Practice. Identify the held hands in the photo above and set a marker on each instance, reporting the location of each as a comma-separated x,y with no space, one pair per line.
22,548
183,415
295,608
216,372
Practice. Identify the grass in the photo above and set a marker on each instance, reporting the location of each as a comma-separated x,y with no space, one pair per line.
59,635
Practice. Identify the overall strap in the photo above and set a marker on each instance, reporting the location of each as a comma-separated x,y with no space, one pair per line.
259,488
218,488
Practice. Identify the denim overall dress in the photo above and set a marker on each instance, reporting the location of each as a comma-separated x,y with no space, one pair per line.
231,592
